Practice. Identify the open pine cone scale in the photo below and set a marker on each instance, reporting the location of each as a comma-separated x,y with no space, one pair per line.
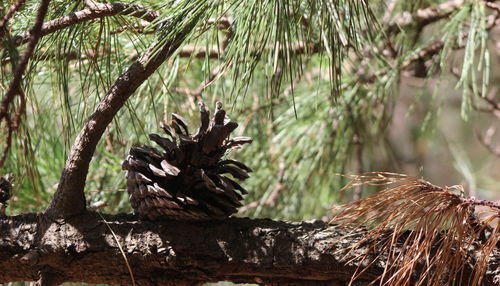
188,180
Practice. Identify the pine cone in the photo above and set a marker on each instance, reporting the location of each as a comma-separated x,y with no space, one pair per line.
188,180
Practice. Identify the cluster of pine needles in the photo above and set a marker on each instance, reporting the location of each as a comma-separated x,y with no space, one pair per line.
427,235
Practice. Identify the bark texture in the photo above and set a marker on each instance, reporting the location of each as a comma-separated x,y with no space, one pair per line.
262,251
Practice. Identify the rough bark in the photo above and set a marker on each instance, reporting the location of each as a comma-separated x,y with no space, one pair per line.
83,249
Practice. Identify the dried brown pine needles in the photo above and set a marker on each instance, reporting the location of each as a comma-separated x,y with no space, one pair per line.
428,235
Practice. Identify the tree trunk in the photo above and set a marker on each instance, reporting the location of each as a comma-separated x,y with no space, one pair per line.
262,251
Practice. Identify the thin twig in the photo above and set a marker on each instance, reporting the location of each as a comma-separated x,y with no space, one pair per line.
399,22
121,249
424,16
15,85
8,140
12,10
433,214
225,23
34,36
188,51
493,6
99,10
427,52
493,108
141,28
420,18
358,191
484,203
279,186
487,142
196,94
274,194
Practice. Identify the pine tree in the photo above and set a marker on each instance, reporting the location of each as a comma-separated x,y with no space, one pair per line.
322,87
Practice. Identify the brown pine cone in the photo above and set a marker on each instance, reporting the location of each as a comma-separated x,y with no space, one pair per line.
188,179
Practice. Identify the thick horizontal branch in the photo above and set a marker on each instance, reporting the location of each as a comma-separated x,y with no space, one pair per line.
98,10
261,251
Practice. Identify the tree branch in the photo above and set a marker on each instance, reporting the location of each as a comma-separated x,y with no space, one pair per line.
69,199
434,13
12,10
15,85
424,16
97,10
263,251
487,142
426,52
420,18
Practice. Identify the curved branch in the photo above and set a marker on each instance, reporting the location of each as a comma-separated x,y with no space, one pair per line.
69,199
97,10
